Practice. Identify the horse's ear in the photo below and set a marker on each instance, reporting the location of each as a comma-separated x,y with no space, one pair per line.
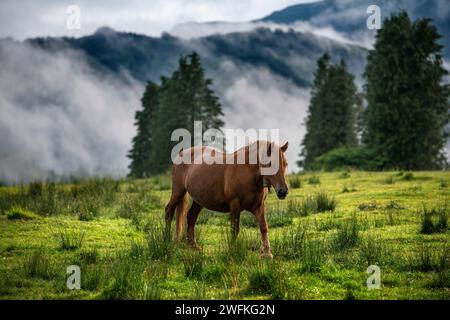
284,147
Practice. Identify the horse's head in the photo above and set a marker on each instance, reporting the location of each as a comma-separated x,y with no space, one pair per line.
273,171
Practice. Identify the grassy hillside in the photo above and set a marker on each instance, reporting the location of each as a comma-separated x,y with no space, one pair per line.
324,236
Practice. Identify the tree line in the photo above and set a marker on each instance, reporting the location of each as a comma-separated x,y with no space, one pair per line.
398,121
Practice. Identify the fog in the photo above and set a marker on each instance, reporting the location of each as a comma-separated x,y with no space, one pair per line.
60,118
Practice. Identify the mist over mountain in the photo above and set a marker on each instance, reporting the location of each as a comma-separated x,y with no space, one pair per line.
69,103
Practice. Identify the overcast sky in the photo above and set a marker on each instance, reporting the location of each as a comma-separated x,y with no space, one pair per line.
22,19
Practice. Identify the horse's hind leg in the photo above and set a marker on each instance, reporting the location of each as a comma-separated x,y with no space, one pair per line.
175,199
192,215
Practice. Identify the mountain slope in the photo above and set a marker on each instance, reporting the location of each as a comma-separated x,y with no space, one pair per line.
290,55
349,16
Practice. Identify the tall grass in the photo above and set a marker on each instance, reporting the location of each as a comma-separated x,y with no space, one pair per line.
314,180
39,265
18,213
70,240
277,216
434,220
81,198
295,182
160,246
193,263
372,250
347,235
290,243
313,255
237,250
318,202
268,278
127,280
428,259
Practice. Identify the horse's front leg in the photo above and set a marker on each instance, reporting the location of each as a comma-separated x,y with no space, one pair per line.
235,219
260,215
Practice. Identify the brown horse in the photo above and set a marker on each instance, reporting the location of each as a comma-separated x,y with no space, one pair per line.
226,186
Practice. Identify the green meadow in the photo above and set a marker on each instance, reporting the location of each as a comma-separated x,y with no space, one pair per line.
331,227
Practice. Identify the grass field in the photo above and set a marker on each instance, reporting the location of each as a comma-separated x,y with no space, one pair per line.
331,227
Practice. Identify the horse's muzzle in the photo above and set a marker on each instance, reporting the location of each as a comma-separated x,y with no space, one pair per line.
282,193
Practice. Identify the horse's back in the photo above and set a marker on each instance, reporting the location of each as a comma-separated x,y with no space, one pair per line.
202,179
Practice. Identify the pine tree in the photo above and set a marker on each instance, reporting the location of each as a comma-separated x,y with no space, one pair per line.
183,98
407,102
141,164
331,120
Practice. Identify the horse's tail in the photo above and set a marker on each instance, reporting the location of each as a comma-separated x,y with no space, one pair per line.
181,211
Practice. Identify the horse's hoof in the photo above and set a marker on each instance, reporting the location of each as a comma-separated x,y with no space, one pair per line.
266,255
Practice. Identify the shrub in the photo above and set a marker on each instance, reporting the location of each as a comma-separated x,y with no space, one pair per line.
434,220
362,158
295,182
18,213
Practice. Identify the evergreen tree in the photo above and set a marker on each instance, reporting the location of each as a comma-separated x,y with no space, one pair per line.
183,98
331,120
141,164
407,102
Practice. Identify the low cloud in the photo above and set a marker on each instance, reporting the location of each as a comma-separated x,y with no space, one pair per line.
60,118
260,100
192,30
